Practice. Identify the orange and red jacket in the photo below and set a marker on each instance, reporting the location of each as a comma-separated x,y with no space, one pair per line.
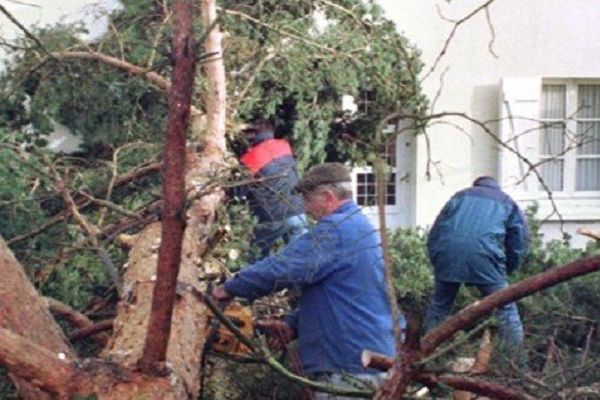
273,167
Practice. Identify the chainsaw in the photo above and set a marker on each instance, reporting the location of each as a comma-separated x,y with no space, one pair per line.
220,339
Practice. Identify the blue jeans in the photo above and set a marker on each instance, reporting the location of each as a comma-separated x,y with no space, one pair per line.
266,234
511,329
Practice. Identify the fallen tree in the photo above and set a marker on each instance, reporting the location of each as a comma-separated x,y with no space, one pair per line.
32,345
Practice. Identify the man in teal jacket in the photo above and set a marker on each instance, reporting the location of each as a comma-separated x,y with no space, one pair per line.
479,237
343,307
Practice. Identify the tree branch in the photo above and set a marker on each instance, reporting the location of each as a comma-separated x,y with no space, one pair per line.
477,386
82,203
457,24
27,33
77,319
92,330
132,69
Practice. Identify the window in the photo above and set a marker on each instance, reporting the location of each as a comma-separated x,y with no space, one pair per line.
366,182
366,189
569,142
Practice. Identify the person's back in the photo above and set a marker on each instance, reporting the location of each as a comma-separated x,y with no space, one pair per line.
272,168
337,324
478,237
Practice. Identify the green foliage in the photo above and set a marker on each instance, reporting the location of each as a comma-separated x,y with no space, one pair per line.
357,53
412,271
237,222
74,283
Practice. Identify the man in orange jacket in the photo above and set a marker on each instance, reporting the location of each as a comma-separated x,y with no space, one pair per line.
272,165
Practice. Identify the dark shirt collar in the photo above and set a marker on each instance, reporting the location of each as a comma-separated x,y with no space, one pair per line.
261,137
488,182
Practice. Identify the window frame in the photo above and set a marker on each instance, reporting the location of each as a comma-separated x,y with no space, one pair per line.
570,157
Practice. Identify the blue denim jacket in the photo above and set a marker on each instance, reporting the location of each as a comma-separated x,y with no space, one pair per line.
343,307
479,237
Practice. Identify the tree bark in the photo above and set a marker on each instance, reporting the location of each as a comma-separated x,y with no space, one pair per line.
35,363
23,312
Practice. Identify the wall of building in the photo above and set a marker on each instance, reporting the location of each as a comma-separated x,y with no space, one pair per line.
550,38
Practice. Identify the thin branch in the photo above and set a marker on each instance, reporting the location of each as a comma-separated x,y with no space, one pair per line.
492,32
439,91
477,386
108,204
27,33
75,318
82,203
65,311
130,68
457,24
157,37
381,180
90,230
292,35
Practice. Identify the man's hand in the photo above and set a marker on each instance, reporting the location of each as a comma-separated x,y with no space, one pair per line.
278,332
220,294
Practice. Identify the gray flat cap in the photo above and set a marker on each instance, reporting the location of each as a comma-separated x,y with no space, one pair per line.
323,174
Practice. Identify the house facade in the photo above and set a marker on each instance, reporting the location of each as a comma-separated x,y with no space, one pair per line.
530,71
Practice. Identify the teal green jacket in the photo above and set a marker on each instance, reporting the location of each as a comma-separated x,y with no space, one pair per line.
479,237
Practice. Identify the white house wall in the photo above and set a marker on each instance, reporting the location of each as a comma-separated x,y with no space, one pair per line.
532,38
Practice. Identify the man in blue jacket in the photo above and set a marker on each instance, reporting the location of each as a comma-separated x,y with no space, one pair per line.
479,237
272,166
338,266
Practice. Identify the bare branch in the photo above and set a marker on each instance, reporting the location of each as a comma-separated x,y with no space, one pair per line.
93,331
457,24
492,32
27,33
472,385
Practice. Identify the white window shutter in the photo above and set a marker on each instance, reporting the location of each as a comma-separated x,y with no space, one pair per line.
519,129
